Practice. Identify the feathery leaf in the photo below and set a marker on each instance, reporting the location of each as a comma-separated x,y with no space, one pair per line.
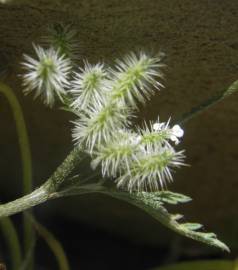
154,206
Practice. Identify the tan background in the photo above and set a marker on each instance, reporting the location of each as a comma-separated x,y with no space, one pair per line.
200,39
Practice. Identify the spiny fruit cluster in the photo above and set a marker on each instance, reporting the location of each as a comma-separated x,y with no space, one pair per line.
105,101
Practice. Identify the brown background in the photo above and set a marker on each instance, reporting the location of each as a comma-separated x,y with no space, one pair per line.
200,41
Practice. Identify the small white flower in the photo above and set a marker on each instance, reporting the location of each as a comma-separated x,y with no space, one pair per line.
173,133
176,132
47,76
158,126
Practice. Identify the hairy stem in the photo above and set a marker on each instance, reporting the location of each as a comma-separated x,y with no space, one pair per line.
208,103
65,169
52,186
38,196
47,191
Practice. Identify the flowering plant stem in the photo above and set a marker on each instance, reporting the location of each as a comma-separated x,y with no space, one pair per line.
26,161
61,183
208,103
6,225
53,243
11,238
49,190
52,187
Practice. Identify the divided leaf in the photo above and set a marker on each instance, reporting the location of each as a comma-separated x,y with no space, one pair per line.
167,197
153,204
231,89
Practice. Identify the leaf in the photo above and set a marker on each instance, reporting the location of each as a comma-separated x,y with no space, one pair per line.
204,265
192,226
13,243
169,197
208,103
153,204
232,88
53,244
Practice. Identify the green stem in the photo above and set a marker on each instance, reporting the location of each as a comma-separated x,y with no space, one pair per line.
200,108
12,241
54,245
47,191
25,157
38,196
28,257
204,265
51,189
22,137
65,169
208,103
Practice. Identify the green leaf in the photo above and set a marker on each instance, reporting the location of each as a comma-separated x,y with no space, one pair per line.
208,103
201,265
153,204
12,240
53,244
168,197
232,88
192,226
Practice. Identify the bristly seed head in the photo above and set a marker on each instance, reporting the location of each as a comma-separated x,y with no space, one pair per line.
173,133
137,160
104,101
135,78
63,39
100,123
152,170
47,75
115,155
88,86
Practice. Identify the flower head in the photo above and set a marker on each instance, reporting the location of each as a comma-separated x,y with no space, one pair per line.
155,134
135,77
138,159
99,124
116,155
151,170
176,132
47,75
173,133
88,86
63,38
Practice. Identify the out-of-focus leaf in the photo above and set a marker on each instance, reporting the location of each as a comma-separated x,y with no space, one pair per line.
202,265
13,243
53,244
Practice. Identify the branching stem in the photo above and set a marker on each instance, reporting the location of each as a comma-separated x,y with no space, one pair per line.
51,189
47,191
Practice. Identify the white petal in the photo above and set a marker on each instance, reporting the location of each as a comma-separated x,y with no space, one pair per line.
177,131
158,126
174,139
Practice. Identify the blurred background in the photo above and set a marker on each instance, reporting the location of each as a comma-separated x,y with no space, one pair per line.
200,41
